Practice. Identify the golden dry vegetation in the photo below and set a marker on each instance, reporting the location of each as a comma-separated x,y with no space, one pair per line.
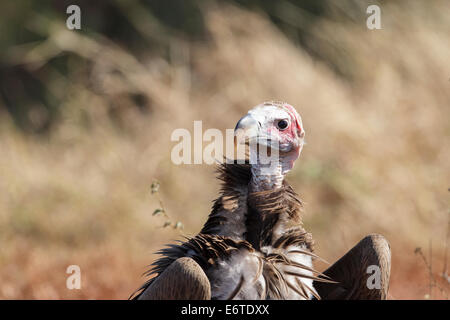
377,157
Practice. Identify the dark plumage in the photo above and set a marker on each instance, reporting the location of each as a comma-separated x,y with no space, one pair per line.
253,244
207,248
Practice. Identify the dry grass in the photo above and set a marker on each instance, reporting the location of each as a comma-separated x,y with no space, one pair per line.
376,159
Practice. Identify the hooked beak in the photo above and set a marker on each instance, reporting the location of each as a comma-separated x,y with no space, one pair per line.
248,131
247,128
247,122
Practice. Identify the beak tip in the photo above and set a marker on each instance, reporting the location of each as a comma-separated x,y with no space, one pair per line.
246,122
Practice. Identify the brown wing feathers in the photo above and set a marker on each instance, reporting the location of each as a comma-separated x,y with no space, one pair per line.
205,250
262,213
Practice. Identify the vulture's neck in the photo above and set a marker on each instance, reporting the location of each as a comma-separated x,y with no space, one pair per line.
253,206
267,177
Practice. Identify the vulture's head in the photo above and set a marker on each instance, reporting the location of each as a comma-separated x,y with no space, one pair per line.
276,126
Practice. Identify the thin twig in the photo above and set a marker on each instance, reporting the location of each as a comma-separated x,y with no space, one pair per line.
433,282
169,222
444,271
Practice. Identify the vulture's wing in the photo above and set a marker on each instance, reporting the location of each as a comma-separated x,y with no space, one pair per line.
362,273
184,279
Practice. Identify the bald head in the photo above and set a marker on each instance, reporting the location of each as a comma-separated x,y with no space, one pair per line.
276,125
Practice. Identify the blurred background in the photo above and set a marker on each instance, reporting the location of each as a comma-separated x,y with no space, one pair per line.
86,118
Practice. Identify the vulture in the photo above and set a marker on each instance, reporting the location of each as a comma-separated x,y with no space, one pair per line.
253,245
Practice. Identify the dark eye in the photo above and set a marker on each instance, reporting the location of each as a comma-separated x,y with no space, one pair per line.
282,124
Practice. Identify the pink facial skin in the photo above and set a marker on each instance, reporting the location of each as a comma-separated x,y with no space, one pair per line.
289,140
295,119
292,135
